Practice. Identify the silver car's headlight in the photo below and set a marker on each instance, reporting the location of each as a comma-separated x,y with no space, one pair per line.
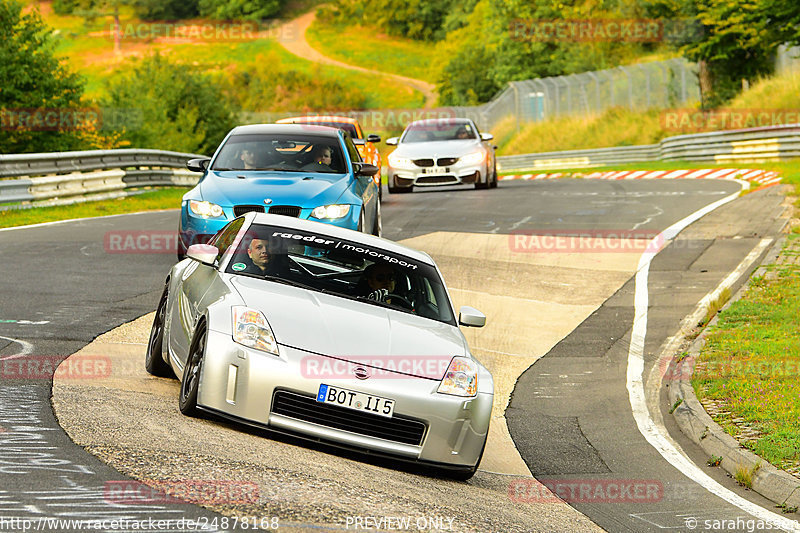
205,209
473,158
251,329
400,162
331,211
461,378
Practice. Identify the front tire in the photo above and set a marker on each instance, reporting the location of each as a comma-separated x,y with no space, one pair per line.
479,184
377,227
493,184
190,384
154,360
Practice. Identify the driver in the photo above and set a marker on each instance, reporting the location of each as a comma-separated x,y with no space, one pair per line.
260,259
378,282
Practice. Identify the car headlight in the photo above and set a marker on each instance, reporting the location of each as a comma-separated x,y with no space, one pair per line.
331,211
461,378
400,162
473,158
251,329
205,209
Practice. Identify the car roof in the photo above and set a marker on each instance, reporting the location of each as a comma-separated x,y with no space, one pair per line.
435,121
291,129
318,118
337,232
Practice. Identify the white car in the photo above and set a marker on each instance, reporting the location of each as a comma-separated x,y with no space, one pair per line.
326,333
438,152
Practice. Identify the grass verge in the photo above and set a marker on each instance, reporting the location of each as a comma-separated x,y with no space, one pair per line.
750,364
150,200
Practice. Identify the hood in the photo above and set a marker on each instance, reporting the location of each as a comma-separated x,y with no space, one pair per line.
353,331
304,189
436,149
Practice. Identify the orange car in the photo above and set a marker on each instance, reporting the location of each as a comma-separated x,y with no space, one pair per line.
366,146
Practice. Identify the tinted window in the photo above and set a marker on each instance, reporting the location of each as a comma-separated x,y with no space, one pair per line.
225,237
290,153
342,268
439,130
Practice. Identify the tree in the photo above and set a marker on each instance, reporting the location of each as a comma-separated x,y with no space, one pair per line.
169,106
34,80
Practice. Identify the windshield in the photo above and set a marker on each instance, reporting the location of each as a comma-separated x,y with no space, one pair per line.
439,130
290,153
347,269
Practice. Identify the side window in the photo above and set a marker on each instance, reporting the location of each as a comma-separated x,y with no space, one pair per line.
355,157
226,236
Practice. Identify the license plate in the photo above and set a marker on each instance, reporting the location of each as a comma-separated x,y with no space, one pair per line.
355,400
436,170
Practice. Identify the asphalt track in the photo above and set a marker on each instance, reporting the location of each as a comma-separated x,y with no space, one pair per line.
61,288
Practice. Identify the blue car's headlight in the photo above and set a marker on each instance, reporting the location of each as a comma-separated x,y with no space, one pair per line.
331,211
205,209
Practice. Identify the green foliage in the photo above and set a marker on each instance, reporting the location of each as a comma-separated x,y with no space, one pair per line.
170,107
268,85
239,9
33,78
164,9
416,19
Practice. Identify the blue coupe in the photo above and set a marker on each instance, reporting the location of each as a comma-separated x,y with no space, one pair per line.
301,171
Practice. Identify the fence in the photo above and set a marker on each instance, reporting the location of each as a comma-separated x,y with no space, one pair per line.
742,146
60,178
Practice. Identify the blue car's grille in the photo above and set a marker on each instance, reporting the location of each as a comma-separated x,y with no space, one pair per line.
306,408
286,210
239,210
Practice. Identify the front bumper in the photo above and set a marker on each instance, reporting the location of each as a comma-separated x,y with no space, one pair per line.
434,176
241,383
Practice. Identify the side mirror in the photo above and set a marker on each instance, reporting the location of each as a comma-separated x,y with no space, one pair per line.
469,316
359,142
205,253
487,136
198,165
365,169
372,138
392,141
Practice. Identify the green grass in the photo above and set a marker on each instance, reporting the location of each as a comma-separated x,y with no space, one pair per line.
151,200
367,48
751,363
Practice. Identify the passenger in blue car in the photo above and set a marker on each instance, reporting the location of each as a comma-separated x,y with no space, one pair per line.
322,155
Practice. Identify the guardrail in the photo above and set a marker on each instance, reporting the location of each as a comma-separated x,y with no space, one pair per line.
60,178
743,146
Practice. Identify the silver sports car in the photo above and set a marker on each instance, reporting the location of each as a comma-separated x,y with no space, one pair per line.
325,333
436,152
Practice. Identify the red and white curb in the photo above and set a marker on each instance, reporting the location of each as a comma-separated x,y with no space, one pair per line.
762,177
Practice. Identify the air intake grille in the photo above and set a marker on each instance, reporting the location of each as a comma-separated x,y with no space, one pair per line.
239,210
307,409
286,210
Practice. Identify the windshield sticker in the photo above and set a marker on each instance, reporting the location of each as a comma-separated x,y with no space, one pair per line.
238,267
367,252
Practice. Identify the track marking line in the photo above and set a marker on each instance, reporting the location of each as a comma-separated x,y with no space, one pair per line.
654,433
27,349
